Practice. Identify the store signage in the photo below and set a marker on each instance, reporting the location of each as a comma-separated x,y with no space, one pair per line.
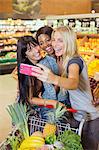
64,7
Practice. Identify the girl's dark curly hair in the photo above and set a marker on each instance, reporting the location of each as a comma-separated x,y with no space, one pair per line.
44,30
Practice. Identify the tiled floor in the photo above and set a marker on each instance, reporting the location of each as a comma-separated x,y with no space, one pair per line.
8,87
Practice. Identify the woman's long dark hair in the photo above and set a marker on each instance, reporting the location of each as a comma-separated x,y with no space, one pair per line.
27,84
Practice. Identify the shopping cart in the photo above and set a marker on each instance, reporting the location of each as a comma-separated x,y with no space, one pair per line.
37,124
5,144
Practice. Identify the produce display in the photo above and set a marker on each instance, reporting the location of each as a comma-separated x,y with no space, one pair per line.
4,35
9,35
9,57
86,57
8,41
90,45
92,64
93,67
89,49
9,48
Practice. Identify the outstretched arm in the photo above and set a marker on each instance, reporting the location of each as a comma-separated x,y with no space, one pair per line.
71,82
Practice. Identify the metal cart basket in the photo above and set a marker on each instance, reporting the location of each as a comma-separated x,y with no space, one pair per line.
37,124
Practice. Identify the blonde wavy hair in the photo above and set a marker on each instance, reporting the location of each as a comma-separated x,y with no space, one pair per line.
70,42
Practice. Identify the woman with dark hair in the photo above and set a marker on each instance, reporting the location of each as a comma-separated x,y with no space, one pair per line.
43,37
44,30
30,88
28,53
50,91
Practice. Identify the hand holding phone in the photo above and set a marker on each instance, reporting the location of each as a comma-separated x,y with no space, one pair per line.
29,69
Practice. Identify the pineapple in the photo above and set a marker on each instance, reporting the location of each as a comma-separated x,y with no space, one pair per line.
54,117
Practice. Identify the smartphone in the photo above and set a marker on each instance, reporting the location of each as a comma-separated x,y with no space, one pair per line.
29,69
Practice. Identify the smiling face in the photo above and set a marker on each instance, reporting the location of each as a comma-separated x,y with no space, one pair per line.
45,43
58,43
33,53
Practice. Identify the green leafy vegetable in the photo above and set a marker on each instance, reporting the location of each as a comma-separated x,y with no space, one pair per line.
71,140
19,115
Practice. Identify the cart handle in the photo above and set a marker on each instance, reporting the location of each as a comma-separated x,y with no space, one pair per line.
72,110
51,106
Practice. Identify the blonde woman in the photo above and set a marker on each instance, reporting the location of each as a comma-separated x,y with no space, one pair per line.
74,78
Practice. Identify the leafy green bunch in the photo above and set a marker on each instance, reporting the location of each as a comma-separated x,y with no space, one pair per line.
71,140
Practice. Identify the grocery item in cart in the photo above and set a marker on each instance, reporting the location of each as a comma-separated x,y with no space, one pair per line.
53,117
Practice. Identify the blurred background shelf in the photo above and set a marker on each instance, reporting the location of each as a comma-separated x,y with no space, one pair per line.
88,53
6,68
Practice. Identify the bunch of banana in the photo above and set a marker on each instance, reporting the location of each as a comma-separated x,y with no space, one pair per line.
32,142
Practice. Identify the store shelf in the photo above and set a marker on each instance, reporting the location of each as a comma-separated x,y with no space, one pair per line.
3,44
96,15
81,35
2,50
88,53
7,67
